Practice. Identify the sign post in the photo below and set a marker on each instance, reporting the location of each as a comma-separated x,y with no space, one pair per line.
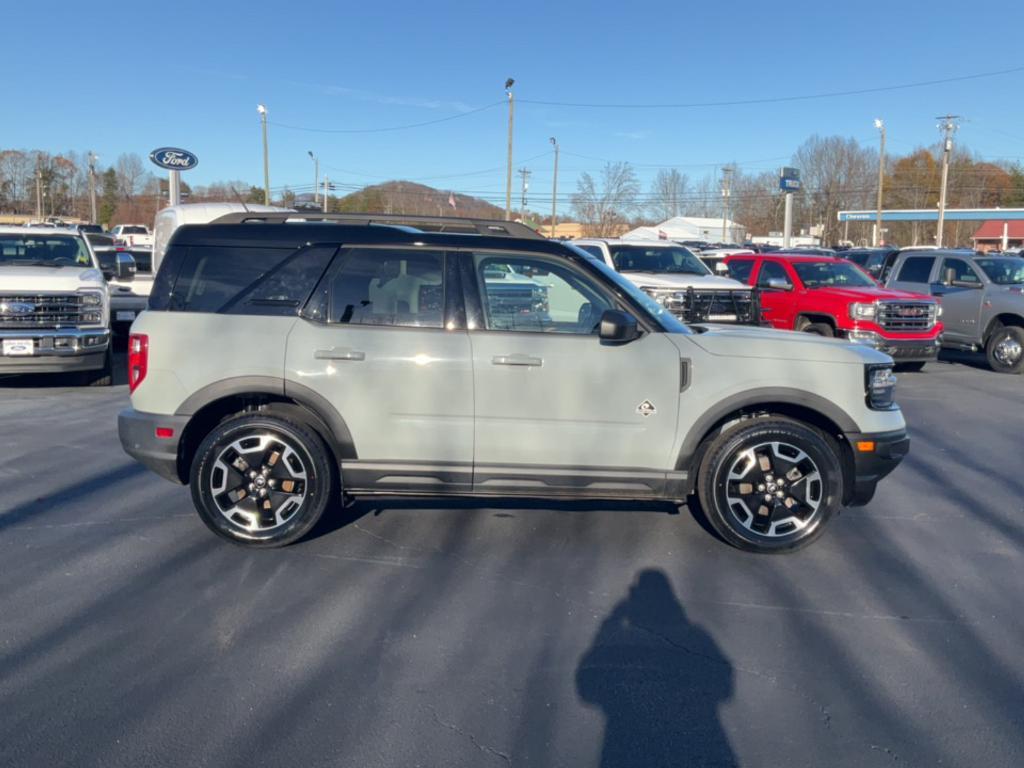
174,161
789,182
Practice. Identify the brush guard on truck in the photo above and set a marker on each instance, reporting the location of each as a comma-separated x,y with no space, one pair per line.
703,305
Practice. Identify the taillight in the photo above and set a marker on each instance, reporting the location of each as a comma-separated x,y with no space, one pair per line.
138,359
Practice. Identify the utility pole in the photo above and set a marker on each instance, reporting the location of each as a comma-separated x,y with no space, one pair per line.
948,127
554,191
92,186
39,191
877,240
266,157
726,193
508,176
327,188
316,179
525,175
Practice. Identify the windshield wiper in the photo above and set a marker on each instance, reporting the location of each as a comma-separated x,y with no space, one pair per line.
31,263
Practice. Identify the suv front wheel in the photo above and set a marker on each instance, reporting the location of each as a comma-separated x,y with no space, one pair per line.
770,484
261,480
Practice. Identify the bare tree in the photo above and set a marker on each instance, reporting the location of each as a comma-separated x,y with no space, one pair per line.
604,211
131,175
837,173
668,194
706,199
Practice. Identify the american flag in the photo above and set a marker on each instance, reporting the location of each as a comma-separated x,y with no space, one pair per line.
451,199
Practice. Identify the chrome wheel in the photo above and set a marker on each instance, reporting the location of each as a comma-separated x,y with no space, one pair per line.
258,482
1008,351
773,488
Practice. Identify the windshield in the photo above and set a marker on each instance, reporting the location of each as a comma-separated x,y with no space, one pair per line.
1003,271
134,230
831,274
43,251
638,258
666,319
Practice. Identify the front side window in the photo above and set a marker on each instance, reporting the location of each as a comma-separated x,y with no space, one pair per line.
962,272
526,293
384,286
916,269
831,274
771,270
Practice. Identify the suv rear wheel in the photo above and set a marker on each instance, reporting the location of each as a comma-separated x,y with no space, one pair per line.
1005,349
770,485
261,480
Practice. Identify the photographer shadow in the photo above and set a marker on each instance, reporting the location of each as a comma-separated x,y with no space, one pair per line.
659,680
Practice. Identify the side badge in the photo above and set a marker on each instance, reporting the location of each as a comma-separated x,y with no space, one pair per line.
646,408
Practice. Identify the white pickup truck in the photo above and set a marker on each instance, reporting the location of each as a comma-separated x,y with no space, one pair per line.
133,235
54,305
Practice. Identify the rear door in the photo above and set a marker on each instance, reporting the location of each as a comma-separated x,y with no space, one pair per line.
557,411
379,344
914,274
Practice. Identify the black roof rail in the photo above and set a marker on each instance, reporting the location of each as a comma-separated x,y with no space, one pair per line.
448,224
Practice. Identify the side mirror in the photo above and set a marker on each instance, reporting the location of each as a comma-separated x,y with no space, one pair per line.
108,264
617,327
779,284
722,268
948,276
125,267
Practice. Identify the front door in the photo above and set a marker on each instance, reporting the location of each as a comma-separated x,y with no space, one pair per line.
557,410
374,345
961,304
777,304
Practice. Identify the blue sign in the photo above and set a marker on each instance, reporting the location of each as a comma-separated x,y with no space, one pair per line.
174,159
789,179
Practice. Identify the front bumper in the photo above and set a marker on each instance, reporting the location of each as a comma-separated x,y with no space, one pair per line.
56,351
900,350
137,431
870,466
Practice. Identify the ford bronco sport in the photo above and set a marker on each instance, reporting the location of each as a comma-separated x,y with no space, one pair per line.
288,359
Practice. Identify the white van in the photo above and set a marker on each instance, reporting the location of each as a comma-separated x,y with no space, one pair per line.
172,217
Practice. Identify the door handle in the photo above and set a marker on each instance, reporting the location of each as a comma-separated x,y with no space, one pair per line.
517,360
339,353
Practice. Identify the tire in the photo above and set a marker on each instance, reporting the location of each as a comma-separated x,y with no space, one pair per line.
298,479
102,377
1005,349
911,367
811,484
819,329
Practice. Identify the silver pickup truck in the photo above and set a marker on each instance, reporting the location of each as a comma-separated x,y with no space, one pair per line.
982,300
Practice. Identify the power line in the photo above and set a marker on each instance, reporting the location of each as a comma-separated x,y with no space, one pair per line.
391,127
778,99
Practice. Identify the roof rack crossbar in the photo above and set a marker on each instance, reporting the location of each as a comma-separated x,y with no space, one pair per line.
449,224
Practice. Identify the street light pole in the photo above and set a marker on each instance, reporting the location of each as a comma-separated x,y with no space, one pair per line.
266,157
316,178
947,126
92,186
554,191
508,176
877,240
726,193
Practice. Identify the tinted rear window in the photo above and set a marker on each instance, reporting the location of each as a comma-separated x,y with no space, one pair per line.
916,269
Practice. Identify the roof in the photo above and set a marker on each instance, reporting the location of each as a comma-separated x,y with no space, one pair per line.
634,243
993,230
786,256
16,230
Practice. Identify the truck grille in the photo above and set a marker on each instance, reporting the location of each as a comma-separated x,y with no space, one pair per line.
907,316
39,311
722,306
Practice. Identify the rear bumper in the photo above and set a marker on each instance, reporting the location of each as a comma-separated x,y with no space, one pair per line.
870,466
137,431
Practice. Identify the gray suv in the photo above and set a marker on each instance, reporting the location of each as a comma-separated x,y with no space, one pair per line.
982,300
289,360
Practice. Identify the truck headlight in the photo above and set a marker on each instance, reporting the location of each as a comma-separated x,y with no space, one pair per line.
863,311
660,295
881,387
92,299
93,317
92,307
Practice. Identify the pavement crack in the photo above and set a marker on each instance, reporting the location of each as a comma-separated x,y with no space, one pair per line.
472,739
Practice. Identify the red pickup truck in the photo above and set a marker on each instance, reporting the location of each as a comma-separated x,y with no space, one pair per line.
834,297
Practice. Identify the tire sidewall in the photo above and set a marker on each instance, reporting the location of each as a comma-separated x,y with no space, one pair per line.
714,471
319,477
1007,331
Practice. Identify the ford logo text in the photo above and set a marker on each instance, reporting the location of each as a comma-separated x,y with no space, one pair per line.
174,159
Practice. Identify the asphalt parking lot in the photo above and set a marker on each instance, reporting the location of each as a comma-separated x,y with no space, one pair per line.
413,634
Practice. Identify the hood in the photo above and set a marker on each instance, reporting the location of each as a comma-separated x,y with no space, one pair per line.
759,343
46,279
867,295
681,281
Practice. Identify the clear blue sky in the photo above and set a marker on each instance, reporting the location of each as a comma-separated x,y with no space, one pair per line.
132,76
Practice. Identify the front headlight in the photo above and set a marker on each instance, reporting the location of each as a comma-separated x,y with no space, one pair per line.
92,299
660,295
881,387
92,308
863,311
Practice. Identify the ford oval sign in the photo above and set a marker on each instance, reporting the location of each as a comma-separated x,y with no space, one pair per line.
174,159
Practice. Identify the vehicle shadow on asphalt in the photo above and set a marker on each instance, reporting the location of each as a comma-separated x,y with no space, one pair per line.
659,679
64,380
